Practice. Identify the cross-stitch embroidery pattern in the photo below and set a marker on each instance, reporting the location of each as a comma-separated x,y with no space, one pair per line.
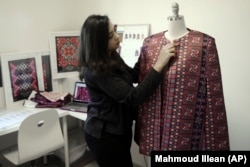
23,77
63,54
22,74
66,50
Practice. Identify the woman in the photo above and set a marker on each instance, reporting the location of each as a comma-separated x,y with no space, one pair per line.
108,127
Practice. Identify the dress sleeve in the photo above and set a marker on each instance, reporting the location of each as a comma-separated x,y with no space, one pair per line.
134,72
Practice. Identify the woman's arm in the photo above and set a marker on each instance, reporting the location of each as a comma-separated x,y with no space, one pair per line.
116,87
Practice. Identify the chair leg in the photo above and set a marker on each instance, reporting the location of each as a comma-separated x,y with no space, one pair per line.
45,160
33,163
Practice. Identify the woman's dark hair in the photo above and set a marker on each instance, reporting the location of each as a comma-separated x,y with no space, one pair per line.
93,46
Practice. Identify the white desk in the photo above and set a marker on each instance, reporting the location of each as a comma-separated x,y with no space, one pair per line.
62,115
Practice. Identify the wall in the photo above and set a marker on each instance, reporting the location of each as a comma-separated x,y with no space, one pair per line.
25,25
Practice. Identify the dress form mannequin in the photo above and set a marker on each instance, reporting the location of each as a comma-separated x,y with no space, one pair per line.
176,24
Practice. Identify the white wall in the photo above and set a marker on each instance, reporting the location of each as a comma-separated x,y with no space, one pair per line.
25,26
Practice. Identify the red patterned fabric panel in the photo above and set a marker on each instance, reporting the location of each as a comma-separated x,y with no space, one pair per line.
47,79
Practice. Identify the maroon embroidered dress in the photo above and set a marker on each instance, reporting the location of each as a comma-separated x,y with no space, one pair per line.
187,111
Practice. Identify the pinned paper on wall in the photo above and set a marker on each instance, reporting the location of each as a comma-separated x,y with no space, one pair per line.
132,37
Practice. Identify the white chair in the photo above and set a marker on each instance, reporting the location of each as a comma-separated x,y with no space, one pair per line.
38,135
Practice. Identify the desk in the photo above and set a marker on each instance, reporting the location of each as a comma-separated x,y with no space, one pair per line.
62,114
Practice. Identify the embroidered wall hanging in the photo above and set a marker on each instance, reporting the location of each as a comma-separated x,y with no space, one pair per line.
22,74
66,50
63,47
23,78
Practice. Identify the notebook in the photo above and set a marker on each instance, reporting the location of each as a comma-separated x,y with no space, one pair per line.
80,99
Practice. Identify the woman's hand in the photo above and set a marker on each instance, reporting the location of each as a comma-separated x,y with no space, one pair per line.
166,53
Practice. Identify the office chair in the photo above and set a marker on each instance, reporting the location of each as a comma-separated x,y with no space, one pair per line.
39,134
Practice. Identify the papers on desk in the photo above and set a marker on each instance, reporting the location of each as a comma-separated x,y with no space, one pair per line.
12,118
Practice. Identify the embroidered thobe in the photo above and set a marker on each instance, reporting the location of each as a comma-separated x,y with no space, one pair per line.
187,110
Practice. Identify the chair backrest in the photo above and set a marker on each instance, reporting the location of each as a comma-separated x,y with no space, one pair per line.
39,134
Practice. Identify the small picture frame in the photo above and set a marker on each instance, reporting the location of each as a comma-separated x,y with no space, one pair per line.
22,73
1,81
50,84
63,49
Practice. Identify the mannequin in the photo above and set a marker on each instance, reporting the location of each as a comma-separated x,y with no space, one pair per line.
176,25
187,110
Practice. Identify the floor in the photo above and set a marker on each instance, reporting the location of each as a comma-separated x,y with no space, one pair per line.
53,161
85,161
92,164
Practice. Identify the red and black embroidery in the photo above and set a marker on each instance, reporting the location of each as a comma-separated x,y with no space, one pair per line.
66,51
187,110
23,77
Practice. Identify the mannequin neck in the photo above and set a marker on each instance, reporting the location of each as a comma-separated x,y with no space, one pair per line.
176,28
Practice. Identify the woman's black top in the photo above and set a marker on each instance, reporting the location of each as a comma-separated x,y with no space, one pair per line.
114,99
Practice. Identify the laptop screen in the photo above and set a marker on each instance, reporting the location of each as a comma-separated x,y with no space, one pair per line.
81,93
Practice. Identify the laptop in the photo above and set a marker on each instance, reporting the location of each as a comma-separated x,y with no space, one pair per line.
80,99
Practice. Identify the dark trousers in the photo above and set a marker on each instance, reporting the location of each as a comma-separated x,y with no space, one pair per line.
111,150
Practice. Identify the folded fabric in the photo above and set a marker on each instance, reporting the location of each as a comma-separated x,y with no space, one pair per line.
54,96
50,99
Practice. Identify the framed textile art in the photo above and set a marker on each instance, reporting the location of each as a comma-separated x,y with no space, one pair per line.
63,49
46,67
22,74
49,83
